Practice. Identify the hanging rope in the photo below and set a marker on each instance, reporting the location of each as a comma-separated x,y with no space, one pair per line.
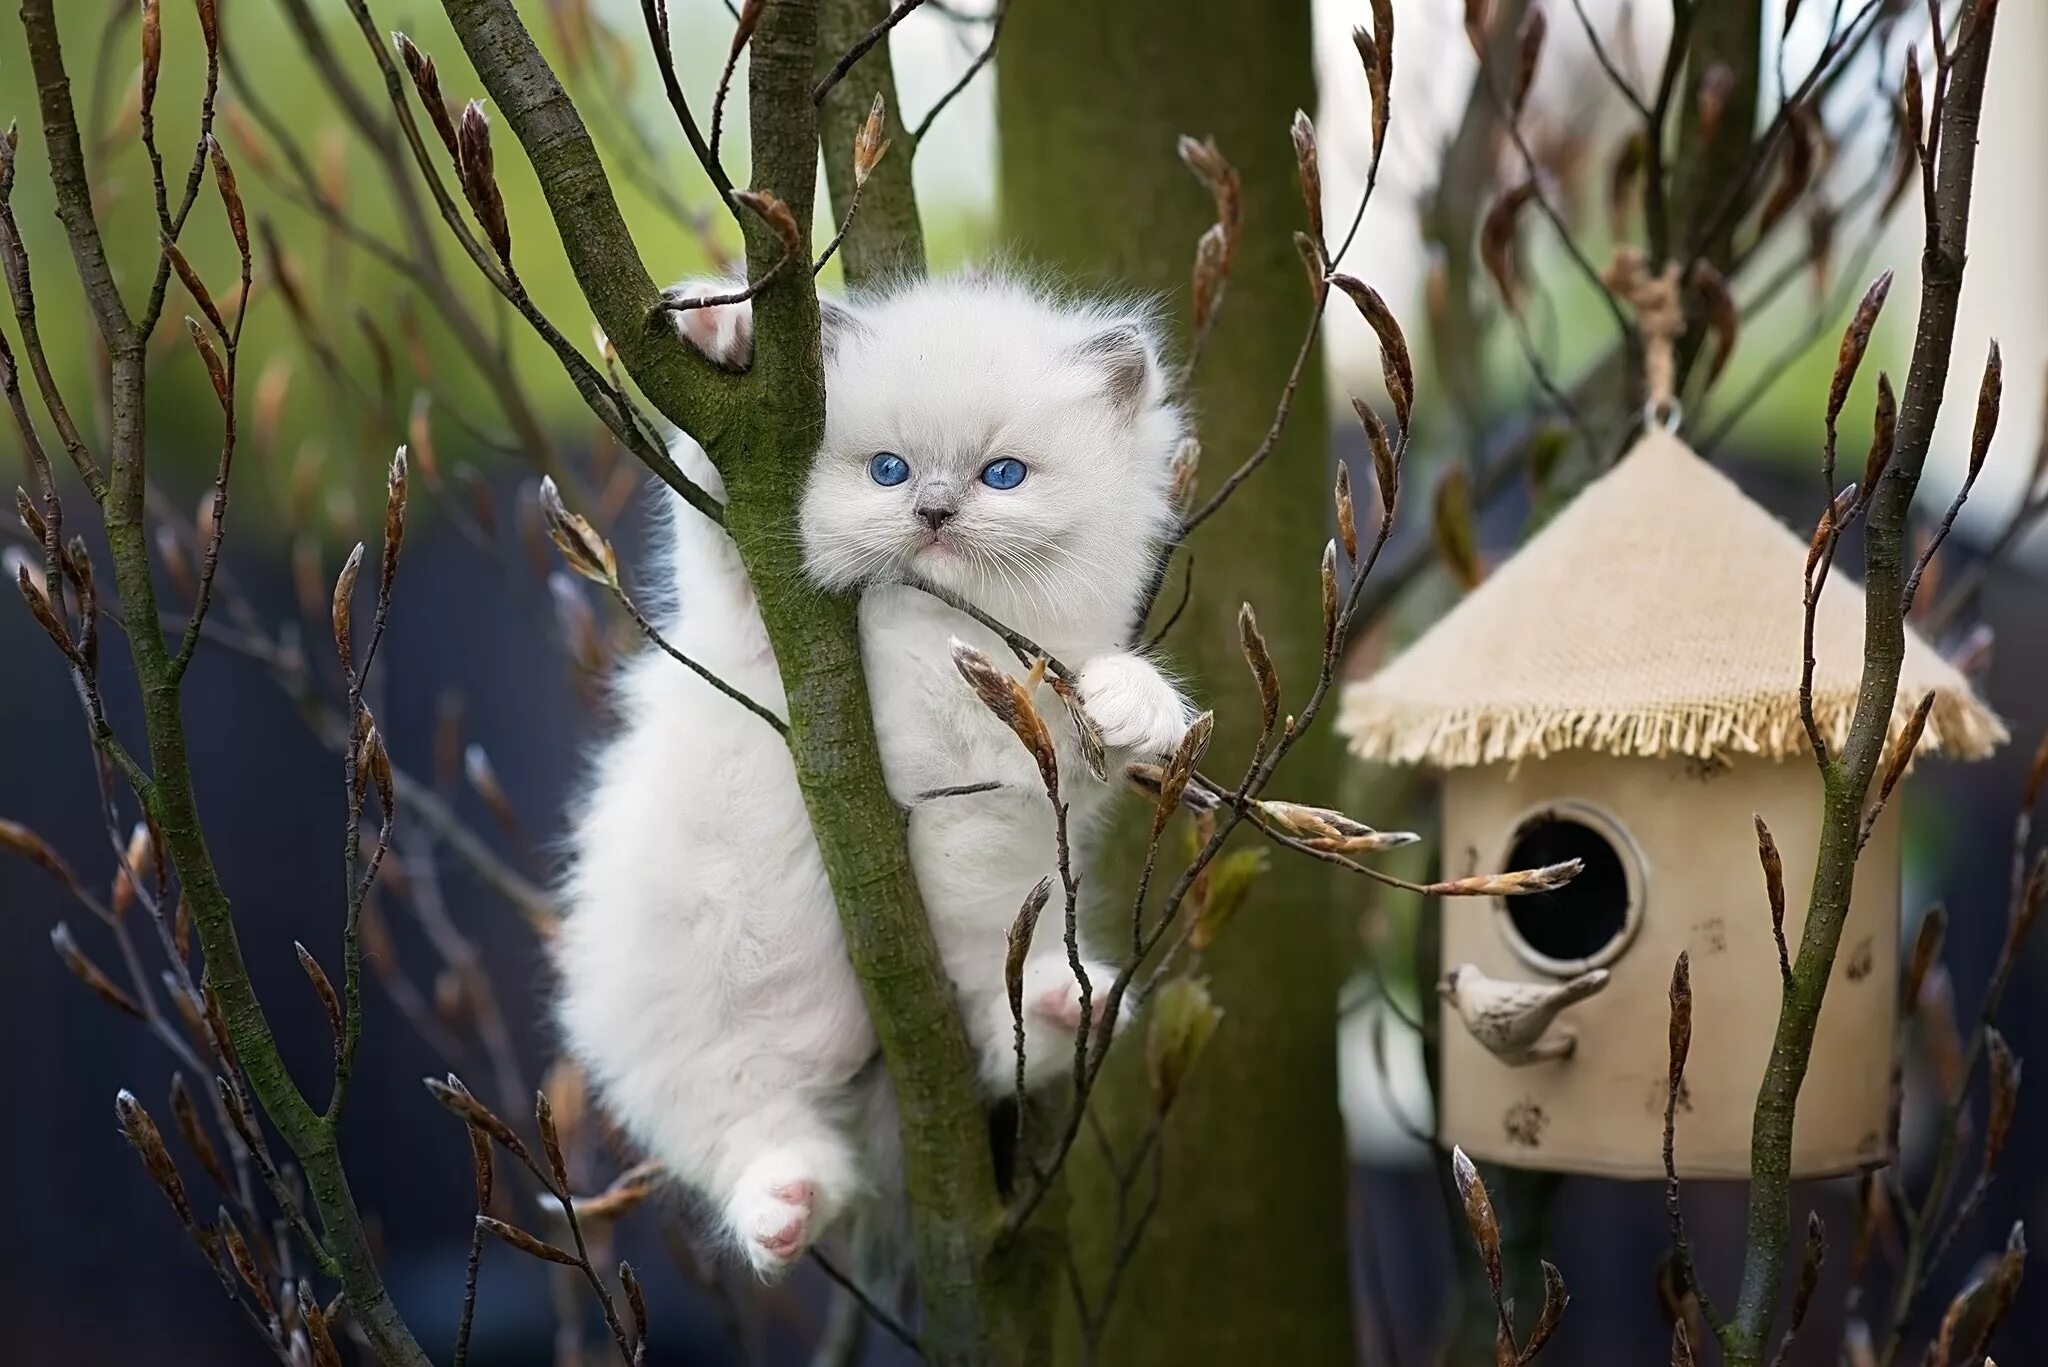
1660,318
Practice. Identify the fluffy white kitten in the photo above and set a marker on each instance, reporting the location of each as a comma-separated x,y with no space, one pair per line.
1013,448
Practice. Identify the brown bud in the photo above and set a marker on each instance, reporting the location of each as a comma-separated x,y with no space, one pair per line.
1497,241
1722,318
245,1265
215,371
1555,1298
2004,1102
551,1141
636,1303
1810,1260
344,608
1902,750
479,174
1479,1216
1332,626
148,1142
527,1243
869,146
1397,369
194,286
1347,516
1372,58
1267,676
483,1169
1017,943
1774,887
588,553
1180,770
1926,951
1452,523
89,973
394,522
1625,183
459,1099
1386,465
325,1352
1884,431
1308,167
1680,1045
1011,702
152,54
1210,275
16,838
230,196
1186,468
1798,161
330,1001
1856,341
1990,394
427,81
196,1139
1911,101
772,211
2037,777
1207,162
1314,265
1520,883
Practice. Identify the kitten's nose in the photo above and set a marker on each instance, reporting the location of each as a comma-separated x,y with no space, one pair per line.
935,511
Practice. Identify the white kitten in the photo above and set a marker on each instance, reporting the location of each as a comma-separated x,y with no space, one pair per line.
1014,449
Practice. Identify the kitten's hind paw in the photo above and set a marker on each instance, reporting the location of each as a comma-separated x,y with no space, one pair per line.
1055,993
1133,704
776,1213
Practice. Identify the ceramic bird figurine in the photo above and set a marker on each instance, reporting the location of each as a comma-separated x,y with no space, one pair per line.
1513,1020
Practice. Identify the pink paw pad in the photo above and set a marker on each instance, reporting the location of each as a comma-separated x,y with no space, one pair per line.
1062,1004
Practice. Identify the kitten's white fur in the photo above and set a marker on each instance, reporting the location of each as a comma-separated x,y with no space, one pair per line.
704,981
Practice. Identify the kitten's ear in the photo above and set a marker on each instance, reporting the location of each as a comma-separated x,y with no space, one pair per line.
837,324
1123,356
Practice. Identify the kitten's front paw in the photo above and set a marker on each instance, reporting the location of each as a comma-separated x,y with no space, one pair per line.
723,332
1132,704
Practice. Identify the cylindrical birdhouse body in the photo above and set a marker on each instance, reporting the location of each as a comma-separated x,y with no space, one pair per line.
1671,866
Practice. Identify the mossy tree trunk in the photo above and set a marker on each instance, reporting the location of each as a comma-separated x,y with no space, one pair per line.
1245,1258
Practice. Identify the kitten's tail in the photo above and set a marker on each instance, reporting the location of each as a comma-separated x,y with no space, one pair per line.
712,602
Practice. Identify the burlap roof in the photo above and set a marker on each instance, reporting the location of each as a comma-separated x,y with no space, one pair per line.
1658,614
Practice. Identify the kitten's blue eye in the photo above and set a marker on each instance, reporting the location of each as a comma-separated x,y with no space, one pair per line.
1006,473
888,468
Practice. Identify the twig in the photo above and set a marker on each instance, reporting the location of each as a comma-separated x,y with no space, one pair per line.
890,1324
1613,73
896,15
981,59
656,14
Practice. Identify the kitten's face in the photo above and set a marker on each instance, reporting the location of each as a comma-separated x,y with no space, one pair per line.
1005,449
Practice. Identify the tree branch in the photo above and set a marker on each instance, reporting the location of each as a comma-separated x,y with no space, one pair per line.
169,793
1848,779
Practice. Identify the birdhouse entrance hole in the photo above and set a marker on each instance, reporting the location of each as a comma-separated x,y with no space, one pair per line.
1589,921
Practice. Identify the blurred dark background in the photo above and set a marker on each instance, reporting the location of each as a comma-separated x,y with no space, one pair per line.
92,1264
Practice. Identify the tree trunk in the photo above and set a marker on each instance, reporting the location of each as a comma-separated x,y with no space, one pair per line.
1244,1259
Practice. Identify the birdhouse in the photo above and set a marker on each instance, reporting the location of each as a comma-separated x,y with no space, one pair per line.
1625,691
